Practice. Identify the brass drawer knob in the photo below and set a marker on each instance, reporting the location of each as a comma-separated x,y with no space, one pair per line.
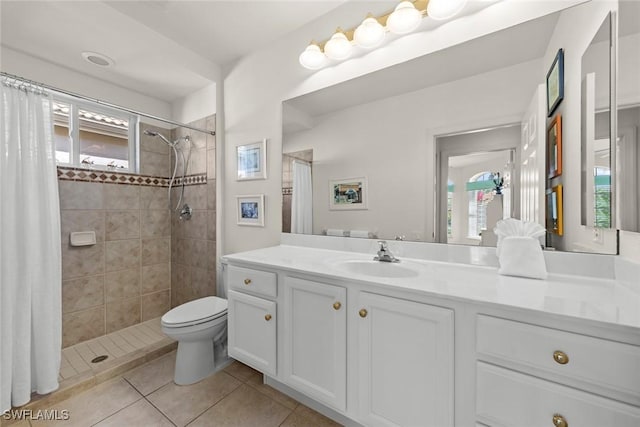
267,317
363,313
247,281
559,421
560,357
337,305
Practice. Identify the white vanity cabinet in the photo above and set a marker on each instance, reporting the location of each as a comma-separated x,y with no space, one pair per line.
315,341
447,348
532,375
252,319
405,362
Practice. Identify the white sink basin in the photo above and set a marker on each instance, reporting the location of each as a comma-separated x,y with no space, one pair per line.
378,269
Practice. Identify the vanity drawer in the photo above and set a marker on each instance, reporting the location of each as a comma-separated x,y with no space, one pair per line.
602,366
507,398
253,281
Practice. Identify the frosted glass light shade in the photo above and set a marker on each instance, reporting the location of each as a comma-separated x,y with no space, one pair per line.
312,57
338,47
444,9
369,34
404,19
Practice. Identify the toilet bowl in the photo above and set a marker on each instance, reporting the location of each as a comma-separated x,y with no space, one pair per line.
196,325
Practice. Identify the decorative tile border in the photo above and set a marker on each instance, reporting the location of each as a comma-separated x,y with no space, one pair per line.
111,177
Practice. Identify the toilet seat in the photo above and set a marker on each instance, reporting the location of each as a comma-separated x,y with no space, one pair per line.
195,312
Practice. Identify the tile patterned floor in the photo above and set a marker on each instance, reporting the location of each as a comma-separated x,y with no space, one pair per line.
147,396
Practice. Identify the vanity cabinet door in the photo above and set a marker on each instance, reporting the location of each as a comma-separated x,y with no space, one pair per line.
405,369
252,331
316,340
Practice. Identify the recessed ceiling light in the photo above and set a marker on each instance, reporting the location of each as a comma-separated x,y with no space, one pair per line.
98,59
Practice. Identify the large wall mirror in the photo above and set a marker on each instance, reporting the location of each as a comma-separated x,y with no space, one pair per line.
627,143
436,149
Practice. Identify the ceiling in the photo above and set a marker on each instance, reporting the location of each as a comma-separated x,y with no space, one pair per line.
164,49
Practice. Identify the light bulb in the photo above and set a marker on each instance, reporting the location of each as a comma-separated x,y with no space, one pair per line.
369,34
404,19
338,47
444,9
312,57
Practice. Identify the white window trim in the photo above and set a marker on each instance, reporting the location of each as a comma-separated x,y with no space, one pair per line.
74,132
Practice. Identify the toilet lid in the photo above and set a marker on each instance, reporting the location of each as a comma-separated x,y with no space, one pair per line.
197,310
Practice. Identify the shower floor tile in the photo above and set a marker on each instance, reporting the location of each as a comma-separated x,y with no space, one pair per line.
117,346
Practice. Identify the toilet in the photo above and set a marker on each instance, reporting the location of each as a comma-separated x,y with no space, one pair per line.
197,326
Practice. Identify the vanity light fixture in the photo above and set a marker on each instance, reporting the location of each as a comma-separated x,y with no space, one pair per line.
370,33
339,46
313,58
405,18
444,9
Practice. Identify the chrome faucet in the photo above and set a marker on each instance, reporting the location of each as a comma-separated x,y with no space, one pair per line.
384,254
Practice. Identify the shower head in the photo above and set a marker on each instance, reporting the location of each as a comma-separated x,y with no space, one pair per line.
153,133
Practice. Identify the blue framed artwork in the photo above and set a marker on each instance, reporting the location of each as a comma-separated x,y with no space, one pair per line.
252,161
555,83
251,210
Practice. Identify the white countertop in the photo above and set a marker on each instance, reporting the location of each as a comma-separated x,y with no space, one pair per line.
597,299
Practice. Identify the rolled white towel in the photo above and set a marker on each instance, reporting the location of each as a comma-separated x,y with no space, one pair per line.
522,256
335,232
360,234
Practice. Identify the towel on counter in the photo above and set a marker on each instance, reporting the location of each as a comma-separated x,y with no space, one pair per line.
519,252
335,232
361,234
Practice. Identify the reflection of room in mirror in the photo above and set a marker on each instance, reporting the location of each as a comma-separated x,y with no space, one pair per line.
288,159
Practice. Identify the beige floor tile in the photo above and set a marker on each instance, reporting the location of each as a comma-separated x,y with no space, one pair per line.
96,404
240,371
141,413
182,404
305,417
256,381
153,375
245,407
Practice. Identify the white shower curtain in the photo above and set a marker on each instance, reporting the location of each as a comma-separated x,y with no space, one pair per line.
302,200
30,251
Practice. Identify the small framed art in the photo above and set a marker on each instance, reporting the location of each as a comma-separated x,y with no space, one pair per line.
554,210
252,161
554,147
251,210
348,194
555,83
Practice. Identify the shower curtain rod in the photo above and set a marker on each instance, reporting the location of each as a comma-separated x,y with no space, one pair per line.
106,104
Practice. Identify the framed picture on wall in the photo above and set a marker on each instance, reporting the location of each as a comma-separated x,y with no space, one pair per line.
554,147
252,161
554,210
555,83
348,194
251,210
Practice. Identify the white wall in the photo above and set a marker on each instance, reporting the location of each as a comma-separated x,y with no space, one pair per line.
587,17
391,142
30,67
199,104
255,87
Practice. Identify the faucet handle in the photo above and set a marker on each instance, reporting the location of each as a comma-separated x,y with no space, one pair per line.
383,245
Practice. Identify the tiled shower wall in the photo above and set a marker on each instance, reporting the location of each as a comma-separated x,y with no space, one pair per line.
126,277
193,242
